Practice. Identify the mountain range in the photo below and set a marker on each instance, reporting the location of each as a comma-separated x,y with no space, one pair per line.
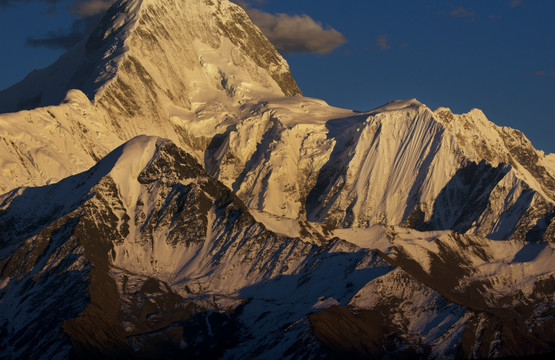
169,192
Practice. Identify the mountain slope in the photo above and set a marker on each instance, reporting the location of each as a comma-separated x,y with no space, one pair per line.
146,214
400,164
150,256
252,222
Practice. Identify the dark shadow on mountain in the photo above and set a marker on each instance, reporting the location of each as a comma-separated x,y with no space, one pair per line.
211,160
204,335
31,209
465,197
44,312
41,295
169,326
529,253
284,300
539,232
332,174
349,333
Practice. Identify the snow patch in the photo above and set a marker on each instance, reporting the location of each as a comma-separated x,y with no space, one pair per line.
324,303
135,155
4,282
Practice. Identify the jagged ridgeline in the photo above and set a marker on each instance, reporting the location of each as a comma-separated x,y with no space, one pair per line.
147,255
168,192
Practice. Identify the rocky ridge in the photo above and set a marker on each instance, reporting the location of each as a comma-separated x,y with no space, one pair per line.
148,246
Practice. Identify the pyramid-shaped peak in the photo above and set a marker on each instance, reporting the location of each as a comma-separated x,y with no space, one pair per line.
197,29
159,52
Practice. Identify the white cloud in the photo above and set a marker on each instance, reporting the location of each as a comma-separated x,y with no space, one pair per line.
295,33
90,7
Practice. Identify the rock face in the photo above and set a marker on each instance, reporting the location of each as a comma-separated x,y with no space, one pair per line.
146,242
252,222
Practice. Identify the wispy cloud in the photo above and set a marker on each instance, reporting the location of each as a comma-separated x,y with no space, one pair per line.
545,74
515,3
55,40
90,7
89,13
295,33
383,42
461,12
65,39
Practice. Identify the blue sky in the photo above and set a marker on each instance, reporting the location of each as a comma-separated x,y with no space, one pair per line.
496,55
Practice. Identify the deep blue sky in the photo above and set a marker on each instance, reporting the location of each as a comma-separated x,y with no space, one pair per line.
496,55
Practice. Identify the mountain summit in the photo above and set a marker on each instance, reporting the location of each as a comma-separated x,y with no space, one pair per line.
166,51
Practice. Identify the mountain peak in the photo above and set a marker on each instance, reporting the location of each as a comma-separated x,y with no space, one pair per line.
146,159
132,158
395,105
167,51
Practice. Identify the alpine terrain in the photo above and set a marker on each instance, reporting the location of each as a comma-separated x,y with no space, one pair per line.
167,192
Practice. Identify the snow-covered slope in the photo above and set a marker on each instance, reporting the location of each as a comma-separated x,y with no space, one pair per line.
147,249
146,216
400,164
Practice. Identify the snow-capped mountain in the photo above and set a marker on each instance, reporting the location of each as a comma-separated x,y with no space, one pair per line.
253,222
151,67
149,254
176,51
400,164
